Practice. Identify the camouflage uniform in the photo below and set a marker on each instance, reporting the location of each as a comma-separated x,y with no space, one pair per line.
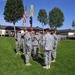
35,46
28,47
54,47
23,42
18,42
48,43
40,40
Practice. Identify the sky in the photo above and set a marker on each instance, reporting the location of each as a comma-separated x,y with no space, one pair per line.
66,6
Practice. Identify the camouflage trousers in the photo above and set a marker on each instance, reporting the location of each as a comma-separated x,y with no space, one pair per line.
47,57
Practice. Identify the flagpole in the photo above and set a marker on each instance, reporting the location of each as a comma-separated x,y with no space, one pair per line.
24,23
25,11
31,23
31,15
25,26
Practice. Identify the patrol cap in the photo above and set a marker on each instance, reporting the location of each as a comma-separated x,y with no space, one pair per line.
29,30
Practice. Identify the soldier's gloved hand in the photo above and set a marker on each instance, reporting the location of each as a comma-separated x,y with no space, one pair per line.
29,48
53,47
15,39
39,42
34,37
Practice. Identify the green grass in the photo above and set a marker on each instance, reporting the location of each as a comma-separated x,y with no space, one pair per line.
12,64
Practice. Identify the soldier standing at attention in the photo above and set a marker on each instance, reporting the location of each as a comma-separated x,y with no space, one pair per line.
48,41
28,45
40,39
55,45
36,42
23,43
18,42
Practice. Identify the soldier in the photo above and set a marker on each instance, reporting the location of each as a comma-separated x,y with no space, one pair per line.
22,36
48,41
55,45
18,42
28,45
40,39
36,42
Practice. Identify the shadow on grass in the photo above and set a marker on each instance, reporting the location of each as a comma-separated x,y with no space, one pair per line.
40,61
15,50
42,55
21,50
23,57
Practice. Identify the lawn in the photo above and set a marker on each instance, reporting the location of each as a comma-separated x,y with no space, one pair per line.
12,64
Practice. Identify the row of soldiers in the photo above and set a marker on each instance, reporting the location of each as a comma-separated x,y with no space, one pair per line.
31,42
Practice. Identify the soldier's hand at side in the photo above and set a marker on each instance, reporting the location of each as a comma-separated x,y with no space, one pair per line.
53,47
16,39
39,42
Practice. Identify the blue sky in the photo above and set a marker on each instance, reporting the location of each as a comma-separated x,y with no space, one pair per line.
66,6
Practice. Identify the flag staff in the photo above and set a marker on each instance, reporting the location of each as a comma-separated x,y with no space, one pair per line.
31,15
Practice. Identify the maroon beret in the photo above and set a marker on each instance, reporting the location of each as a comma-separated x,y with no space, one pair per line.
29,30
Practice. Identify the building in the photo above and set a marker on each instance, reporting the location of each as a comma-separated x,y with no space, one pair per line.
9,30
66,33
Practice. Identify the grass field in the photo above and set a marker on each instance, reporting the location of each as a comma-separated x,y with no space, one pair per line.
12,64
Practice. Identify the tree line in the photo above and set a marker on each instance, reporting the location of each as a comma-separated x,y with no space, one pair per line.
14,10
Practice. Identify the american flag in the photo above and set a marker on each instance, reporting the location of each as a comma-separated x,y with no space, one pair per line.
24,17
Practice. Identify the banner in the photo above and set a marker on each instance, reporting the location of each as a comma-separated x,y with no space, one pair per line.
31,11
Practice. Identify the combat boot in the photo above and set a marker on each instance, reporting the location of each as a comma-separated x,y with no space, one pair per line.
46,67
28,64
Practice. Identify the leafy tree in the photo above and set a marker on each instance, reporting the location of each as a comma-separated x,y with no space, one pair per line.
73,24
13,11
56,18
42,17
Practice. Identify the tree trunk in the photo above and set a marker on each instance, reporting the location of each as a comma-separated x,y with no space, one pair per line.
14,30
43,28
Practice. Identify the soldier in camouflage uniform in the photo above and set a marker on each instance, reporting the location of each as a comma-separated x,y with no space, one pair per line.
55,45
36,42
18,42
28,45
40,39
23,43
48,41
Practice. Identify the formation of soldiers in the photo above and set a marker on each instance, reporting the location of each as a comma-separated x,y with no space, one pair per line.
31,41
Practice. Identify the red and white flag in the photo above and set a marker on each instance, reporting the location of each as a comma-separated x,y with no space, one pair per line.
24,17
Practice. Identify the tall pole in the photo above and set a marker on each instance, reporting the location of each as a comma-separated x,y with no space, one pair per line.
31,15
43,28
31,23
14,30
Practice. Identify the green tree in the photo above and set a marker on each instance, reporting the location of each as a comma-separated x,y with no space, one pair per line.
42,17
56,18
73,24
13,11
